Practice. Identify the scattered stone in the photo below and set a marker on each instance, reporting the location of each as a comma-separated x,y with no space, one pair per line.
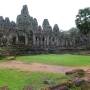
27,88
59,87
4,88
88,71
68,83
48,81
76,73
85,86
78,82
11,58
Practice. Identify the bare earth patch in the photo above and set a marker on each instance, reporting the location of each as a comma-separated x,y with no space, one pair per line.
37,67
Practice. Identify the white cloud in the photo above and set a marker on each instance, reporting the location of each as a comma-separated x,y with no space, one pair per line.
62,12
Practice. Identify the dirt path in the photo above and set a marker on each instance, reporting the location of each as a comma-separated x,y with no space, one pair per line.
35,67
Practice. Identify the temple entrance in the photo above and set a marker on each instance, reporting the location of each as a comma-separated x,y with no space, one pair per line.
31,39
4,40
14,40
21,39
1,35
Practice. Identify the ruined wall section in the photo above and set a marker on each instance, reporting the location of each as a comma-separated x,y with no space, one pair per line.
6,28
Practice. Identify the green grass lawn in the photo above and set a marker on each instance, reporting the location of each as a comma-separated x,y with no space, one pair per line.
64,60
16,80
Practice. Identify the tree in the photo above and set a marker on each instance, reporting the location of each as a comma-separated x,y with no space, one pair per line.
83,20
73,32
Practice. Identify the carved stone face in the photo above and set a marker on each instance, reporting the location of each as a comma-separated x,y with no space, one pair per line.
24,21
24,10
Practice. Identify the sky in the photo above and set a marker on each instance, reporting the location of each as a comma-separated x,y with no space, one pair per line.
61,12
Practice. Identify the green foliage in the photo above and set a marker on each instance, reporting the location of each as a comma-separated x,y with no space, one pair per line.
2,57
64,60
83,20
73,32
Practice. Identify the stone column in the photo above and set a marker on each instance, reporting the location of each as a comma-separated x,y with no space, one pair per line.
41,42
34,40
17,40
57,42
26,40
37,41
47,41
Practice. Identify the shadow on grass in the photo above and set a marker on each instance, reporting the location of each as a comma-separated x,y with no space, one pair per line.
2,57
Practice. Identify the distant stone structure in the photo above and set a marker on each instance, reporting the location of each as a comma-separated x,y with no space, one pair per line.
28,34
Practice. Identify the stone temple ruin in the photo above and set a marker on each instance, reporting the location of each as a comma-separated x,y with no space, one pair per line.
26,33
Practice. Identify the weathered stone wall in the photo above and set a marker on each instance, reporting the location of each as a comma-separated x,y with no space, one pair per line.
27,32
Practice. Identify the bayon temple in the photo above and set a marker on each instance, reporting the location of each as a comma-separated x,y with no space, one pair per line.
27,33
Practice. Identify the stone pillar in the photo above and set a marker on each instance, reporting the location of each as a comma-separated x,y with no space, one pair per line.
57,42
34,40
26,40
17,40
37,41
41,41
47,41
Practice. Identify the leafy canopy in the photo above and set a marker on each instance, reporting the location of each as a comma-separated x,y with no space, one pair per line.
83,20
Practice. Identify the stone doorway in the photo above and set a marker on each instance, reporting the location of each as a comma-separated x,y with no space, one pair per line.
14,40
21,39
